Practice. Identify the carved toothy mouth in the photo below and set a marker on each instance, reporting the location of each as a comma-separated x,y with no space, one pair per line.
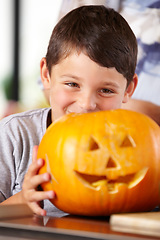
96,182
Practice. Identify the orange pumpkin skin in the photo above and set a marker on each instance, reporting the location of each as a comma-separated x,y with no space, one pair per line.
103,163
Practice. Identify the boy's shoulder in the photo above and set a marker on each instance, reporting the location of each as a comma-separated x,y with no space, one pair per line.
37,116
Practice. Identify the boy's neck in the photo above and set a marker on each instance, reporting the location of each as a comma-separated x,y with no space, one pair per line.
49,121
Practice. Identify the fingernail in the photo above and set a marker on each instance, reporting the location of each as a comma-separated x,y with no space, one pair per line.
39,161
51,194
43,213
46,177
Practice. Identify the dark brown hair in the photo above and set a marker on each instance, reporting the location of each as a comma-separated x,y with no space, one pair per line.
99,32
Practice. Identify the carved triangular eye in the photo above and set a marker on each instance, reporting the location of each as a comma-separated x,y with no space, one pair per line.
93,145
128,142
111,163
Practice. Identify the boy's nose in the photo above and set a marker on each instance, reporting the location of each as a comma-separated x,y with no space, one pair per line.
87,103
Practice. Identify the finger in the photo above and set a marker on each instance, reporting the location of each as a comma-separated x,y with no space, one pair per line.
34,156
32,183
37,209
34,168
38,180
37,196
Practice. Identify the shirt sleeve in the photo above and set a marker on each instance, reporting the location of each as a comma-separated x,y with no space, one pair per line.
15,155
7,160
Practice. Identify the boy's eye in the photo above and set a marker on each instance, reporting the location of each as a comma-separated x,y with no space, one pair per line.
106,91
72,84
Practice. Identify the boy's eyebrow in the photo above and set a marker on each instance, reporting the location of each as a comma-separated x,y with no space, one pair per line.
111,84
71,76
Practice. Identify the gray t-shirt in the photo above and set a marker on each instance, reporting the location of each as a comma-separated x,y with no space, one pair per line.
19,133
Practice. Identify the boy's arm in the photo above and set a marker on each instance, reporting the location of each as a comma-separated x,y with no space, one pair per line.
15,199
145,107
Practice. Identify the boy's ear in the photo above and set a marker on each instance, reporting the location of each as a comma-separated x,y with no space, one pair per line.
130,89
44,73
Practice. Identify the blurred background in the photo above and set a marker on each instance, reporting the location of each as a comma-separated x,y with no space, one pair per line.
26,26
25,29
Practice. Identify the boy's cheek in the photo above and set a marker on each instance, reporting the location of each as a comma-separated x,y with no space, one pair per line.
61,98
110,103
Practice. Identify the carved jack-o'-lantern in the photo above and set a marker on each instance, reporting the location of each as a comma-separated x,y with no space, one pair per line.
102,163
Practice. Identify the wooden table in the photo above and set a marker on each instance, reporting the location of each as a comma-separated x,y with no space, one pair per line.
69,227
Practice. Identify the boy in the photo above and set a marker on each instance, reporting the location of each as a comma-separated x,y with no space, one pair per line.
89,66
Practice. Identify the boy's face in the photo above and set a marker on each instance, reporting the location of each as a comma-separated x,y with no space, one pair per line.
78,84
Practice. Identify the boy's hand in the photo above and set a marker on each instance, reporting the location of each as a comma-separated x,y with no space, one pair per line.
32,180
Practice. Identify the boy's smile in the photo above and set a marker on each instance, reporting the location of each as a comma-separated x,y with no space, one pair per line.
78,84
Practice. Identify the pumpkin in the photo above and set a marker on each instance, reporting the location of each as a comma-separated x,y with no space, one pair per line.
102,162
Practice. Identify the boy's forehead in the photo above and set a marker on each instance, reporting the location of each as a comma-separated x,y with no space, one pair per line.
80,66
